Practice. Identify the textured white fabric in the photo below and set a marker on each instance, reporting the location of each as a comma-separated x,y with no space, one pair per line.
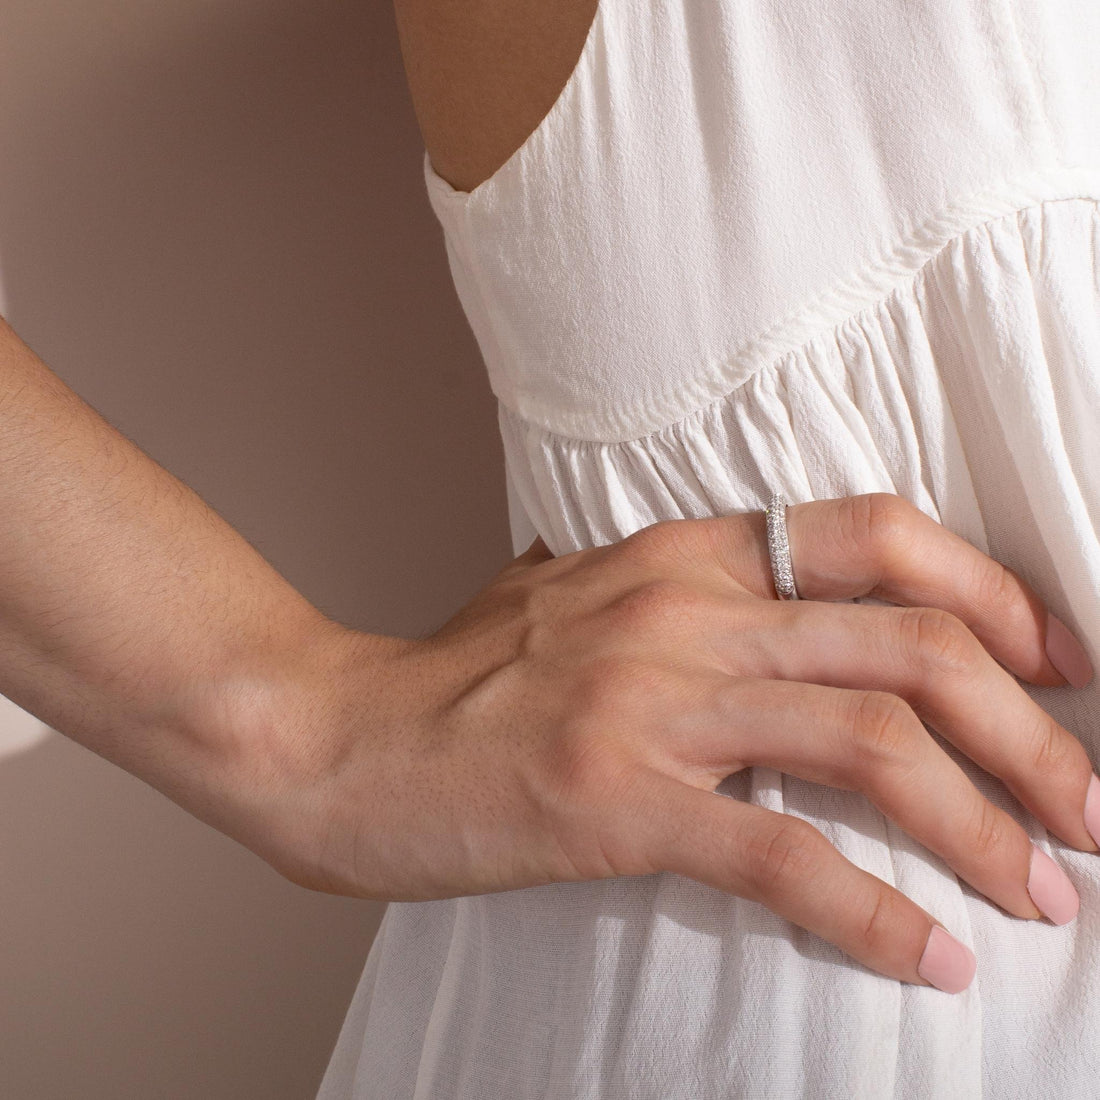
819,247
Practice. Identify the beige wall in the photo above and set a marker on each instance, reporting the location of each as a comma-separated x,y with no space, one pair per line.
213,226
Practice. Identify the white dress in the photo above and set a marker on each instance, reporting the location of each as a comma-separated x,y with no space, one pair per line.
818,247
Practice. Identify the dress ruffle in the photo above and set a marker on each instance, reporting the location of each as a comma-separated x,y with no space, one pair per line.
973,390
1002,324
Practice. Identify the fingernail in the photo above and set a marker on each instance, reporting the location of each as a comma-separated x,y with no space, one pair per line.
946,963
1092,809
1066,653
1051,889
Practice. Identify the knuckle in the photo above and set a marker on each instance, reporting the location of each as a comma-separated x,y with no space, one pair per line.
939,641
881,524
658,604
883,727
995,588
583,810
607,701
604,689
880,928
662,543
654,538
584,762
987,831
783,857
1052,749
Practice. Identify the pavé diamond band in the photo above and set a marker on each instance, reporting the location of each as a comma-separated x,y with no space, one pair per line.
779,549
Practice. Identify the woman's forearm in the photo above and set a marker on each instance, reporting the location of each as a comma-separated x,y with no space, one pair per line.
133,618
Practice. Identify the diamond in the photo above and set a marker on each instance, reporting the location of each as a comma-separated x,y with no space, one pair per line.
779,549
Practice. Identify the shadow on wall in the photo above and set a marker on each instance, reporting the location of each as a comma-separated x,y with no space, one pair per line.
213,227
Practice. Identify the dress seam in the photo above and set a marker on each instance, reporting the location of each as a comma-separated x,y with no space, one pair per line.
874,282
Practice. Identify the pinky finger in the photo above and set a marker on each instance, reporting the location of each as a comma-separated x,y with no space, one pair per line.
788,866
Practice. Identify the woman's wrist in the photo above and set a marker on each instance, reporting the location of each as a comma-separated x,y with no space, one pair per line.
267,733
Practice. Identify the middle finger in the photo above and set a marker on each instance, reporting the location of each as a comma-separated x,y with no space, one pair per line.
935,663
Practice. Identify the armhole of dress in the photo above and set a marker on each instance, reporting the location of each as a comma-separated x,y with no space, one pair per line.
579,78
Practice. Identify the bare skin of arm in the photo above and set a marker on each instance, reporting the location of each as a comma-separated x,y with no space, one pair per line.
133,618
484,73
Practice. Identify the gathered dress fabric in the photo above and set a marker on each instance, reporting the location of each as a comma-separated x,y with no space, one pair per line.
819,248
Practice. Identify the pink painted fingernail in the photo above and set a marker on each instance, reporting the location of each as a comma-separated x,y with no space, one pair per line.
1066,653
1051,889
946,963
1092,809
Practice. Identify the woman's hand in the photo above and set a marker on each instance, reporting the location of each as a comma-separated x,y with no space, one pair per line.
573,721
